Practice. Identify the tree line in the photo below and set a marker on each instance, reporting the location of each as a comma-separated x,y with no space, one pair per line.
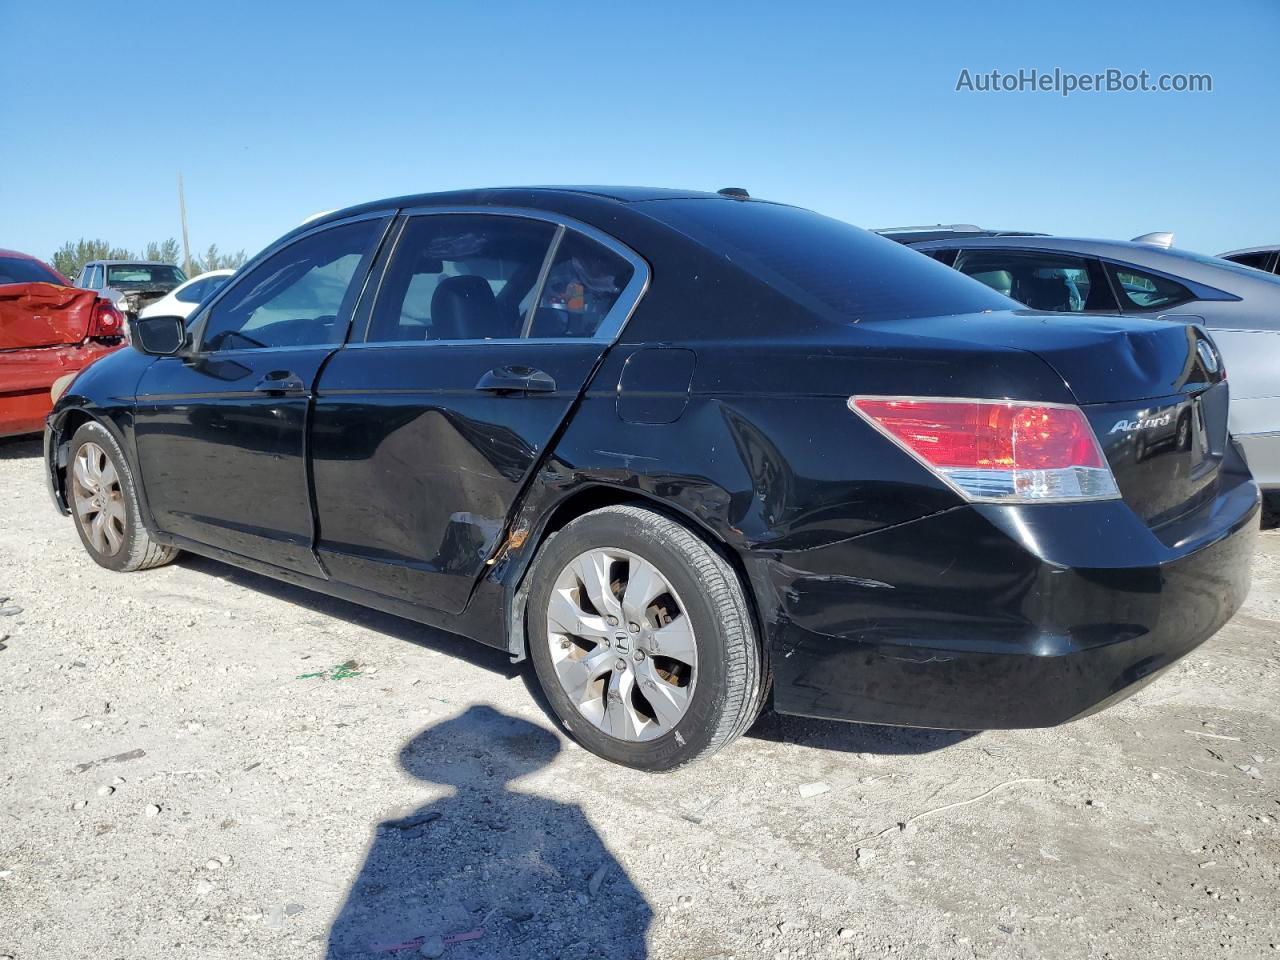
74,254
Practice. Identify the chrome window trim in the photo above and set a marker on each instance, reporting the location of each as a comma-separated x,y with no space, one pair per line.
614,322
196,325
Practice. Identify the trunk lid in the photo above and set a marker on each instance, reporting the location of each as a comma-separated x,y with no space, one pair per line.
1154,391
43,315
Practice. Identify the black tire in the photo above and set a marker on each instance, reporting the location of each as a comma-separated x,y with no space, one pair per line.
731,684
136,549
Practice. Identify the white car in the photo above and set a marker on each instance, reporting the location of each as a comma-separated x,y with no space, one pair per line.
181,300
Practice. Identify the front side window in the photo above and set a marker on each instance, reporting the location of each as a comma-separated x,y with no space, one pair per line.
93,277
1041,280
1146,291
461,277
299,296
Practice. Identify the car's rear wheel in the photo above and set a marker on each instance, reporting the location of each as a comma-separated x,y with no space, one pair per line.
104,502
642,639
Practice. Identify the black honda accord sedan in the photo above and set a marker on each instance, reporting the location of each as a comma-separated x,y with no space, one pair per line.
680,449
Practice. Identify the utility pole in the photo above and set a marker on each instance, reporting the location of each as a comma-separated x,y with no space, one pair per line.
186,247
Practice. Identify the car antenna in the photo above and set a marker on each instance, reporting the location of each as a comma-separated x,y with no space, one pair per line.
1160,238
737,193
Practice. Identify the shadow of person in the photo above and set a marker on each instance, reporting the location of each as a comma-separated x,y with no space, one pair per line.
488,871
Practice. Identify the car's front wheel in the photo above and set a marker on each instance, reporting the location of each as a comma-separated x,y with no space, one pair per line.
642,639
104,502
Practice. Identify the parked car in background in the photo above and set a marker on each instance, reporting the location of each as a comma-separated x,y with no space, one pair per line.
1266,259
1240,307
130,284
670,445
182,299
48,329
946,231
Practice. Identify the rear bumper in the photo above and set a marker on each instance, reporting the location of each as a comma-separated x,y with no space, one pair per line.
27,375
990,617
1262,451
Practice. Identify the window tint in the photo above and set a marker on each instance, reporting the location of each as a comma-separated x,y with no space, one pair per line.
200,289
94,282
1256,260
299,296
582,286
22,270
461,277
1146,291
1041,280
144,275
830,266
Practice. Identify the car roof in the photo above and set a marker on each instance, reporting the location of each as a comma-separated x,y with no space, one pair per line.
129,263
545,197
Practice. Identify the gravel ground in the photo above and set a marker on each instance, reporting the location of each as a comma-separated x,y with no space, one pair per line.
201,762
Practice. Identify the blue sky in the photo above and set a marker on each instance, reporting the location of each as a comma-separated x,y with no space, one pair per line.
273,112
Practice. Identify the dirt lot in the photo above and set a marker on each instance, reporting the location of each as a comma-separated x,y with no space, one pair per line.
200,762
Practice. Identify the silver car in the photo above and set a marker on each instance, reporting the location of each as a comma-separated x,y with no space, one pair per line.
130,284
1239,305
1266,259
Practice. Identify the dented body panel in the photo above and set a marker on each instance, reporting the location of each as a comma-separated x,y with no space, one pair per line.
44,335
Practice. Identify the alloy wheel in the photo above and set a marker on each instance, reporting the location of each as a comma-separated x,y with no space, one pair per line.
98,498
622,645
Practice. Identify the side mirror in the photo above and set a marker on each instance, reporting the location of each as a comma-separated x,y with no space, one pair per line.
158,336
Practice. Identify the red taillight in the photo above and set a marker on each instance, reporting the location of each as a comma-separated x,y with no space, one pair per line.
998,450
107,321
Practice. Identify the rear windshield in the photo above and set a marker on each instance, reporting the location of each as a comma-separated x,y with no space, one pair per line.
22,270
827,264
144,273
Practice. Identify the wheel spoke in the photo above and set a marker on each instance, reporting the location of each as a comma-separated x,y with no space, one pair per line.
96,532
81,470
113,534
566,617
620,717
84,506
109,477
593,572
669,702
115,510
675,640
578,676
644,585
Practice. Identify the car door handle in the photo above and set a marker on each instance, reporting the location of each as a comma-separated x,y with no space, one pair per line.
281,381
516,378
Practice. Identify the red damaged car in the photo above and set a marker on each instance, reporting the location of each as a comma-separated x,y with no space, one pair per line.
48,329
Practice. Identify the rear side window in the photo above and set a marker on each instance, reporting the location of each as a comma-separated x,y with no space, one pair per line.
461,277
1139,290
200,289
1041,280
830,266
1256,260
582,286
299,296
